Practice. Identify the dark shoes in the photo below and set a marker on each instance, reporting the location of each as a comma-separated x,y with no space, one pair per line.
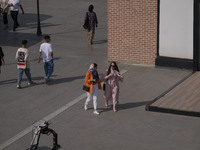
56,147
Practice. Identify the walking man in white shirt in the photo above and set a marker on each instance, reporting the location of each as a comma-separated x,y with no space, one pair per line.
14,10
46,52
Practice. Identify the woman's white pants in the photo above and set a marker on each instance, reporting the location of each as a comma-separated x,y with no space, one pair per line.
93,96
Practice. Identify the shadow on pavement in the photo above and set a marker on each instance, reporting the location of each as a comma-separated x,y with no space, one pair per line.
27,21
63,80
124,106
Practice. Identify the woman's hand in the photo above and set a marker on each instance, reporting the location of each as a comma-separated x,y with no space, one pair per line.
93,80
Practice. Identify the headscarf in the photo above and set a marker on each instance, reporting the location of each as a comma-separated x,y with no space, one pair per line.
94,72
91,68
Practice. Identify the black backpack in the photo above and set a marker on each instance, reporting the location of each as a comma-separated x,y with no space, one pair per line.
86,23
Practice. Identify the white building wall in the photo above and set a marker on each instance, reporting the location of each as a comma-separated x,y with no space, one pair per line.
176,28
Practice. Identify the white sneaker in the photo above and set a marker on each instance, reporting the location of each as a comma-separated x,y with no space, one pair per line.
19,86
31,83
85,107
96,112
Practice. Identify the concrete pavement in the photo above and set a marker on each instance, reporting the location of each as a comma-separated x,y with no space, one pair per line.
130,128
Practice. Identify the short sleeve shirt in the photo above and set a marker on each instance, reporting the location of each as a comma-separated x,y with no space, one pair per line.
22,56
16,4
46,50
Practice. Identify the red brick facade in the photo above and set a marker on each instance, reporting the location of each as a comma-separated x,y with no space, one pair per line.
132,31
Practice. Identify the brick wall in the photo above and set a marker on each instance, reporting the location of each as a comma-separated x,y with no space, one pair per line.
132,31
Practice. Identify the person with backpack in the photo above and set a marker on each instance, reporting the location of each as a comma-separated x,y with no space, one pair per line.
90,23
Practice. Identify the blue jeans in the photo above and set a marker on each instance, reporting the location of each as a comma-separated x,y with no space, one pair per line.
49,68
28,75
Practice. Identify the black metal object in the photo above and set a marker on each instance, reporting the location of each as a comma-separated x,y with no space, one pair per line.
196,35
39,32
44,129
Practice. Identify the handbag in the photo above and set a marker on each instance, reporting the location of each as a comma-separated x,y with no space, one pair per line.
104,86
86,88
86,23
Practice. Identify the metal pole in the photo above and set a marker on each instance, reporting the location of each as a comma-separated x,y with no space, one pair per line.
39,32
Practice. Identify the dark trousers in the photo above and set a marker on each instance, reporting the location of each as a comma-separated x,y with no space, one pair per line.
5,19
14,15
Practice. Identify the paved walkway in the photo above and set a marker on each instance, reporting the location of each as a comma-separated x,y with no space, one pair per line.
62,101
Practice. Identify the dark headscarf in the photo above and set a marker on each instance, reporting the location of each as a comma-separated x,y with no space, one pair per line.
90,8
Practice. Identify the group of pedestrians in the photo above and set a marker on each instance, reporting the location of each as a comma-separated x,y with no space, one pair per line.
23,64
111,80
14,6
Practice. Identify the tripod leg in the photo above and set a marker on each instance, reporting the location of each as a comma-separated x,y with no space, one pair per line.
36,138
55,139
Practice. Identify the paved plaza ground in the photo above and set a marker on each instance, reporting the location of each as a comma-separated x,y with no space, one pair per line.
61,102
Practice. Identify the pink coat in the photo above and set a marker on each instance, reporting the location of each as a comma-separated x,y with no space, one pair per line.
112,86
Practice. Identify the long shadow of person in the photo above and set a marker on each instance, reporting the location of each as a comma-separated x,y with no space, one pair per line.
124,106
63,80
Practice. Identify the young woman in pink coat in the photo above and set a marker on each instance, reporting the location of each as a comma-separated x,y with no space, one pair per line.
112,77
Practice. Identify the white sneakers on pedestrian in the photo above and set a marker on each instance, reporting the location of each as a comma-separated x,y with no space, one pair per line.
19,86
96,112
31,83
85,107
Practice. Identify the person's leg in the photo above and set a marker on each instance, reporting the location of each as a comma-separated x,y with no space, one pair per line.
95,93
28,75
115,93
15,19
89,97
50,68
14,15
92,36
5,20
20,73
46,65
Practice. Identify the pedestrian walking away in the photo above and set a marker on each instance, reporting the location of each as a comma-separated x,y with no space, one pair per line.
111,78
46,52
23,64
93,82
4,4
14,10
2,62
91,17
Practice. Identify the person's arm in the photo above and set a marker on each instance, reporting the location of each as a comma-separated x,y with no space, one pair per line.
88,78
108,76
96,20
40,53
2,60
119,76
2,56
51,53
16,56
8,5
25,60
21,9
